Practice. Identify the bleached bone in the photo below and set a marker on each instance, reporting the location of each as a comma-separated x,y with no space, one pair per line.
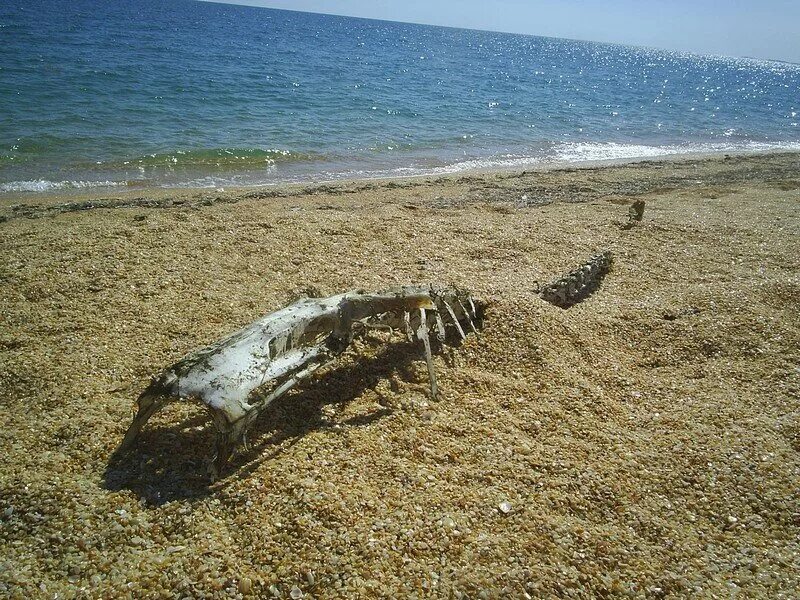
237,377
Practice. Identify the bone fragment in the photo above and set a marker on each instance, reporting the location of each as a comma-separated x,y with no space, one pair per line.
455,320
578,284
422,334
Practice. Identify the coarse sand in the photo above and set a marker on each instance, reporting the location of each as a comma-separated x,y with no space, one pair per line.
642,443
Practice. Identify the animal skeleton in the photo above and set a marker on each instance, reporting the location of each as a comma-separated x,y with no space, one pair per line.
237,377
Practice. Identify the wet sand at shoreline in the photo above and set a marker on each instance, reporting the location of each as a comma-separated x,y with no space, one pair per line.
646,440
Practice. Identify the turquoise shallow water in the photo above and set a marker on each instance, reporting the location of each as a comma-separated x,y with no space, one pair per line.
182,93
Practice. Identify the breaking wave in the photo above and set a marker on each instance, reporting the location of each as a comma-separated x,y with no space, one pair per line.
43,185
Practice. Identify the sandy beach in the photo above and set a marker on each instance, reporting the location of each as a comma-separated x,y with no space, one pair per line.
642,443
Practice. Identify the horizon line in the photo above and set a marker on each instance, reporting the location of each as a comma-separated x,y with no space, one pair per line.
548,37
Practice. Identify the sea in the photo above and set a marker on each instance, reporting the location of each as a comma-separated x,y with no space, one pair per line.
180,93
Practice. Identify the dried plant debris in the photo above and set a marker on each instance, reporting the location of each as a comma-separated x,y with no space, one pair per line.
237,377
579,284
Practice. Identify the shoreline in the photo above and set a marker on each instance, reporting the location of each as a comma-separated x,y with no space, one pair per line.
520,165
14,204
644,441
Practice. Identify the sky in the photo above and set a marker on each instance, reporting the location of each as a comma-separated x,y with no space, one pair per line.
768,29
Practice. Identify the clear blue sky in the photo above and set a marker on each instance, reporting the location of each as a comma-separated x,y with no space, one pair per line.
763,29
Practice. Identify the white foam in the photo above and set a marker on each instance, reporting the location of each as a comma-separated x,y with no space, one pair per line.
477,164
577,152
43,185
586,152
562,153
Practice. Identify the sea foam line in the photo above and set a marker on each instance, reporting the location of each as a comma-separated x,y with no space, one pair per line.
588,152
43,185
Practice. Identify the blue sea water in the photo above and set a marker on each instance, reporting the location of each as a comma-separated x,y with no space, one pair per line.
182,93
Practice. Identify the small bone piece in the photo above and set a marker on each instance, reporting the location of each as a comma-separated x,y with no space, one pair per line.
422,334
636,211
635,214
452,314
